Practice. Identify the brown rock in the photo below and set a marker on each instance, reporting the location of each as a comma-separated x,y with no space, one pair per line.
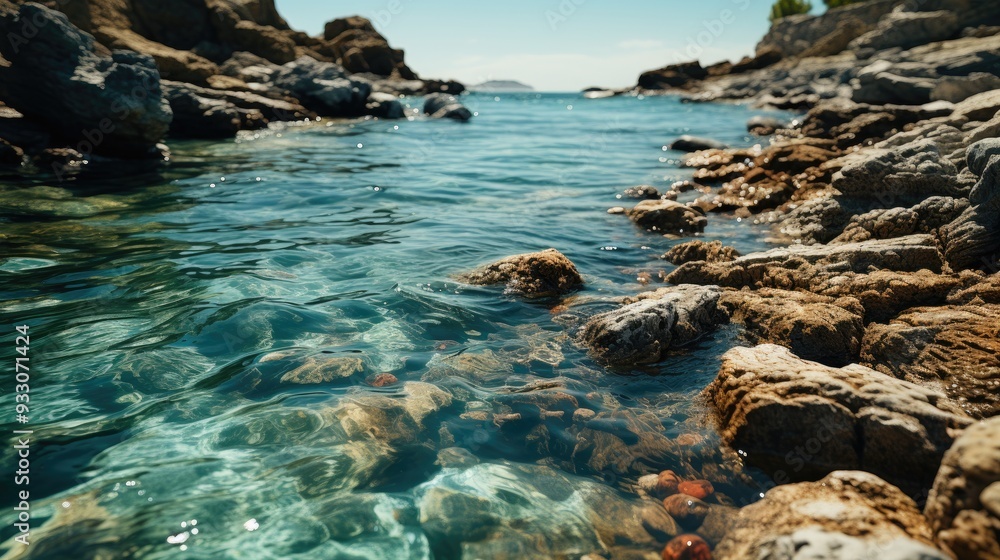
673,76
687,547
667,216
542,274
382,380
667,483
814,327
700,489
698,250
953,349
964,506
854,513
798,419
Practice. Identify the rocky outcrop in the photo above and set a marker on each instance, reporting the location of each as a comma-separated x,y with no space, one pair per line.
208,113
798,419
324,87
99,103
953,349
673,76
446,106
972,240
796,34
667,216
902,29
847,515
355,43
924,217
964,506
643,331
698,250
543,274
818,328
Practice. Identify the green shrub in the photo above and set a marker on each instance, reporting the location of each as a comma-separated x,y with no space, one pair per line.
785,8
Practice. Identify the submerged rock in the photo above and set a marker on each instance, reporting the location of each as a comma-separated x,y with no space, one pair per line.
687,547
542,274
445,106
102,104
667,216
845,516
643,331
954,349
964,506
798,419
814,327
688,143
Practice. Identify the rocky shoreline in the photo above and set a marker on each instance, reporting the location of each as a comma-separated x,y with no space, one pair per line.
87,85
874,334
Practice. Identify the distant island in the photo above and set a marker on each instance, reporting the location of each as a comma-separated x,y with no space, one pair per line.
501,85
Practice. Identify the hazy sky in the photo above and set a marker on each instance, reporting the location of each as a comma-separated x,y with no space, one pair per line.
559,45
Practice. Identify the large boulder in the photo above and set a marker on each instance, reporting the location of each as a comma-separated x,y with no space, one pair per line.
799,420
445,106
102,104
845,516
819,328
964,506
698,250
953,349
643,331
542,274
324,87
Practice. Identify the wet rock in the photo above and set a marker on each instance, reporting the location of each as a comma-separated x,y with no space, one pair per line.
643,331
543,274
673,76
908,174
764,126
814,327
699,489
953,349
324,87
667,483
687,547
641,192
390,420
446,106
382,380
924,217
909,29
482,368
385,105
798,419
964,506
688,143
667,216
104,104
698,250
846,515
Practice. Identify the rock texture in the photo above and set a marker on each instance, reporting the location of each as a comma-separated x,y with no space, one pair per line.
542,274
845,516
972,240
964,506
667,216
103,104
698,250
798,419
643,331
818,328
953,349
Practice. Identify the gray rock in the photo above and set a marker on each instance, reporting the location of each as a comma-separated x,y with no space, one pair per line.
960,88
445,106
925,217
974,237
688,143
909,29
109,105
385,105
642,331
324,87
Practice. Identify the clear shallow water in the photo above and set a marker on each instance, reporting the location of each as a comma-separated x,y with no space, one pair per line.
169,323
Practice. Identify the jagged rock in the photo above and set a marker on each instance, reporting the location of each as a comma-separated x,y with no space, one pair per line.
642,331
667,216
688,143
953,349
909,29
798,419
208,113
673,76
980,290
981,107
542,274
964,506
241,33
324,87
960,88
795,34
973,238
446,106
908,174
360,48
925,217
104,104
818,328
845,516
698,250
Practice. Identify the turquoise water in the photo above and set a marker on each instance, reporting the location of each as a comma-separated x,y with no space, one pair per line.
174,326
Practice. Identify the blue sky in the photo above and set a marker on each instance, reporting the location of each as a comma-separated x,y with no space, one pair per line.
553,45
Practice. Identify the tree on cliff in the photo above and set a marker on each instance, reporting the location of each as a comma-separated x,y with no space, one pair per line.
785,8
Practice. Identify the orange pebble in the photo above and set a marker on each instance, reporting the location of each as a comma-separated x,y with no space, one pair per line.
667,483
700,489
383,379
687,547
